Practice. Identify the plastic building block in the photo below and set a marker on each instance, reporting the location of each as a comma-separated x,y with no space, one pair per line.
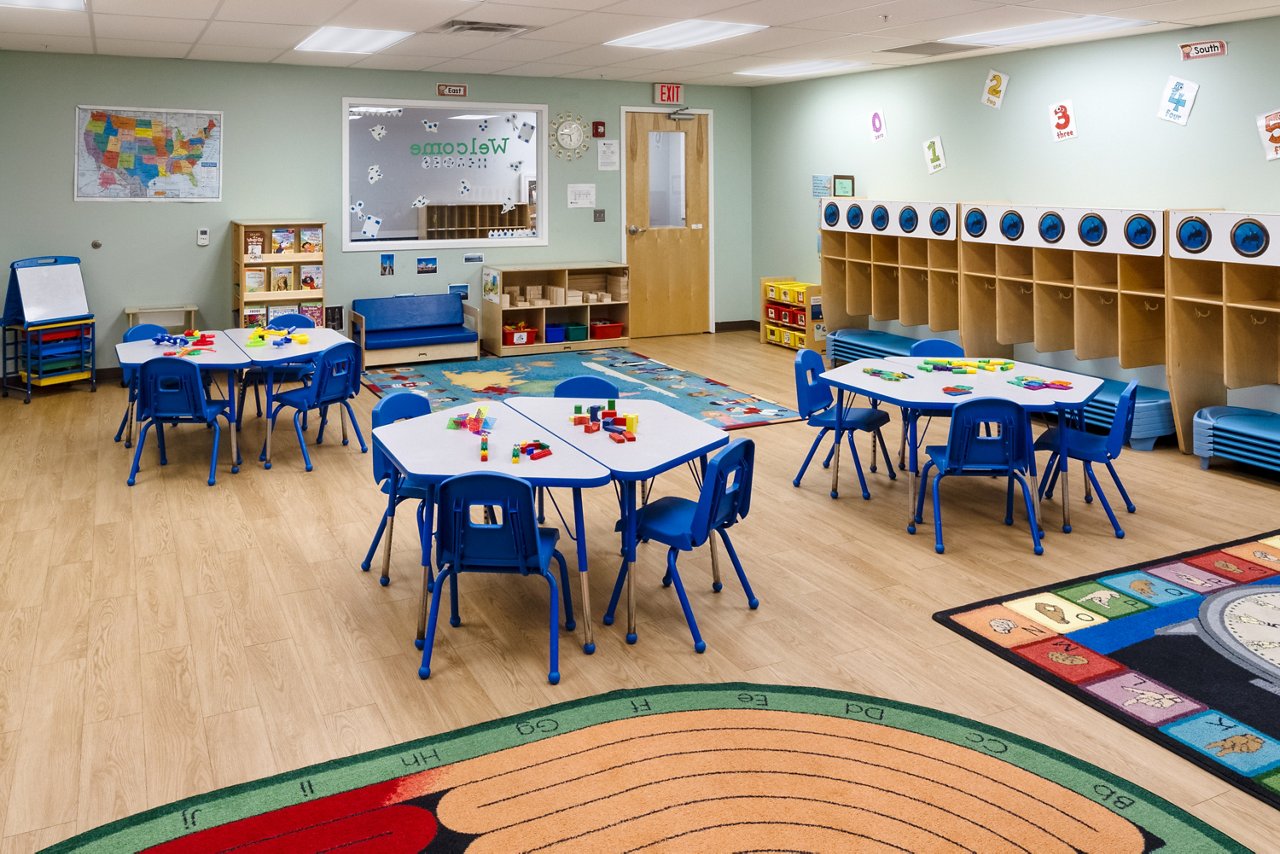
633,421
887,375
539,454
581,420
629,436
613,404
613,428
620,420
618,437
592,427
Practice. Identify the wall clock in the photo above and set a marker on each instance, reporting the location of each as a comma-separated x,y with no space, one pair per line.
569,139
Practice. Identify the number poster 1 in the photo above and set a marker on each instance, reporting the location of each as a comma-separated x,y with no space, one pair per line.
934,157
1178,99
1062,121
993,90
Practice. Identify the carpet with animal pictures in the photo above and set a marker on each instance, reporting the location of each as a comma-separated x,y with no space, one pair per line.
1184,650
451,383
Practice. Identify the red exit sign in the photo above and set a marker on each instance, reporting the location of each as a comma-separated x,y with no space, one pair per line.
668,93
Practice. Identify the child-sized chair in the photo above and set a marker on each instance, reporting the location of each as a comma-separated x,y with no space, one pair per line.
336,380
487,525
586,386
935,348
816,405
129,376
1006,452
684,525
396,407
1092,448
288,373
170,391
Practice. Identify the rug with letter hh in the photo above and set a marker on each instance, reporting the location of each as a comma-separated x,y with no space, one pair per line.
686,768
1184,650
491,378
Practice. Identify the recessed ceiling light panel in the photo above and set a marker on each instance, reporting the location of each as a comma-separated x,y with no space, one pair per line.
1048,31
349,40
59,5
685,34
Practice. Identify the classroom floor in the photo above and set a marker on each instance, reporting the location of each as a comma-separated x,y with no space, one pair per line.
167,639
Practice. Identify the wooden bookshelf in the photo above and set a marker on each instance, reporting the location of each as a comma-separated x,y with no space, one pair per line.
465,222
279,274
604,309
791,313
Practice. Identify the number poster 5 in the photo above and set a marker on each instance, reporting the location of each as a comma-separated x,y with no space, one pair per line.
1062,121
1269,132
1178,99
993,90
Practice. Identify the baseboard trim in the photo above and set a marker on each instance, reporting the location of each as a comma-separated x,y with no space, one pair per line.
738,326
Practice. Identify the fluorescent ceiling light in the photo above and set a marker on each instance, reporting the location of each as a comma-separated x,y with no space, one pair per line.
473,117
348,40
801,69
1087,25
60,5
685,34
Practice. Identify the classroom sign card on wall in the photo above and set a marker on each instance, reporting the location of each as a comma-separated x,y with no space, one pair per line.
935,158
1178,99
1062,120
994,88
878,127
1269,132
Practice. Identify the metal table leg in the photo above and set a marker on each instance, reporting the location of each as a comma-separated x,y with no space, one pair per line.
835,461
588,631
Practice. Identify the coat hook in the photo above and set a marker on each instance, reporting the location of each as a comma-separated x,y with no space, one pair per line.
1198,314
1064,295
1256,321
1150,305
1105,301
991,286
1023,289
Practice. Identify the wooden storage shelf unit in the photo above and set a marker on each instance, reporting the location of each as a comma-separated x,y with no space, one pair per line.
465,222
281,278
1223,321
582,301
791,313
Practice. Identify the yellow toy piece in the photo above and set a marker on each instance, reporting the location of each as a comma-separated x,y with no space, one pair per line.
301,338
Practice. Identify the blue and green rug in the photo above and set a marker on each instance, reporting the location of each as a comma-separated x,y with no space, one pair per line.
451,383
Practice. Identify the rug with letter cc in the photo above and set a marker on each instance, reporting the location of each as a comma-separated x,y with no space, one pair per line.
684,768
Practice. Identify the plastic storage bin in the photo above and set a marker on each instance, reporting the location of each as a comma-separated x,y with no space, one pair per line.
605,329
575,332
512,336
554,333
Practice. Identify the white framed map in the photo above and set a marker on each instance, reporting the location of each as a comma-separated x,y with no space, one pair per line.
142,154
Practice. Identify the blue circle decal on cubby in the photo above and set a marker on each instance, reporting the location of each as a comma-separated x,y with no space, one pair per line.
1011,225
939,221
1093,229
975,223
1051,227
879,217
831,214
1250,238
1194,235
1140,231
908,219
853,216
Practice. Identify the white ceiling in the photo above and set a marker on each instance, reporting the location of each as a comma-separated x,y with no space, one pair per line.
569,35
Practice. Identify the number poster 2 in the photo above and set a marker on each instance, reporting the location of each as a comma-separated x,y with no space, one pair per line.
993,90
1178,99
934,157
1269,132
1062,121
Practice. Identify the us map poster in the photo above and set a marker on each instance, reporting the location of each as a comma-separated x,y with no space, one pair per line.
139,154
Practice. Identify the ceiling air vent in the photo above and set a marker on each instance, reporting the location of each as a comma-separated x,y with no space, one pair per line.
930,48
481,28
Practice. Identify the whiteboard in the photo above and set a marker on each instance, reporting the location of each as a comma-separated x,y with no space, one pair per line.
51,292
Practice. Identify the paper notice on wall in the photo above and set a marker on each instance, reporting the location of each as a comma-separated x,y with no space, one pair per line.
1062,121
582,195
1178,99
993,90
934,157
878,127
1269,132
608,155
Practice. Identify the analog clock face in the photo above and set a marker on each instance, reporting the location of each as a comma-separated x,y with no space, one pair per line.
569,136
1254,622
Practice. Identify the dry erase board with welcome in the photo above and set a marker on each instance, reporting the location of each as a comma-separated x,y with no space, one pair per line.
44,289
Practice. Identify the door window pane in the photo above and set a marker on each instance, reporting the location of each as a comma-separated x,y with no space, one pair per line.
666,179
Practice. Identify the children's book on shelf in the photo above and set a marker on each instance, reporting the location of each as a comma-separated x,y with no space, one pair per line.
311,276
281,240
313,310
253,243
311,240
254,315
255,281
281,278
274,311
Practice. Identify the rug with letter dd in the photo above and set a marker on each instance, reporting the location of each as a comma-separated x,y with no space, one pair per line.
492,378
1184,650
727,767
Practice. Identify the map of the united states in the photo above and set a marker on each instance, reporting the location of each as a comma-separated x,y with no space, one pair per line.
140,155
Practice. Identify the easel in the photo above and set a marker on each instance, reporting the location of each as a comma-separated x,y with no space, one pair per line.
48,329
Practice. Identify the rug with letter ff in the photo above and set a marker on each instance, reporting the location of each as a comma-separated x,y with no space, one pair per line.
728,767
1184,650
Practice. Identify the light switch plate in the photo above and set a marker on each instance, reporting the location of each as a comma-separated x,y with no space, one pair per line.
599,214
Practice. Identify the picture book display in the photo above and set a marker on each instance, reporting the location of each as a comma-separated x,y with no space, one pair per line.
313,310
254,315
311,277
255,281
281,278
282,240
274,311
253,243
311,240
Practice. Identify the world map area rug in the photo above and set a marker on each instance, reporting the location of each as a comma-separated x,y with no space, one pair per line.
1184,650
728,767
448,384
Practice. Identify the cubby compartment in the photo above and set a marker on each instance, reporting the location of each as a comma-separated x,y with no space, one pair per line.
978,258
1252,286
1015,311
1097,332
832,244
832,277
1142,274
1198,280
884,292
1142,324
913,252
884,250
1096,270
977,308
563,303
857,247
1013,262
944,255
1054,318
944,300
913,297
1053,266
857,288
1252,355
1195,363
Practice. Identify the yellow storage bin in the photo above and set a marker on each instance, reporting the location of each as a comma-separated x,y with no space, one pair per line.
773,334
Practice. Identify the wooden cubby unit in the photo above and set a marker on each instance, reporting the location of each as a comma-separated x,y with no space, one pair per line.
1015,311
249,270
793,314
470,222
556,282
1142,326
1055,318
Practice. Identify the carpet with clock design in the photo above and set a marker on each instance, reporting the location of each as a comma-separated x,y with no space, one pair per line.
1184,650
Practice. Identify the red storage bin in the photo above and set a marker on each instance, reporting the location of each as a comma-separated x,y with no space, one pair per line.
787,316
605,329
512,336
771,312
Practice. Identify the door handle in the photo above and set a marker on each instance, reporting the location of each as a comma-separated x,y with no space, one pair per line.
633,230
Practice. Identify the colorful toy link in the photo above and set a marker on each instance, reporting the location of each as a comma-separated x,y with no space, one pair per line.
1037,383
535,449
480,423
965,366
955,390
191,343
887,375
608,418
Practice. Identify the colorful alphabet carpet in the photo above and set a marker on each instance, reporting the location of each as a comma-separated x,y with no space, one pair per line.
686,768
450,383
1184,650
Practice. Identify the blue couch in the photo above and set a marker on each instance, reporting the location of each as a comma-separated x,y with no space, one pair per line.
401,330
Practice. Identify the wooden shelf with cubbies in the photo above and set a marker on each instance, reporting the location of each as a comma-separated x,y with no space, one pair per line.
792,313
552,308
463,222
277,266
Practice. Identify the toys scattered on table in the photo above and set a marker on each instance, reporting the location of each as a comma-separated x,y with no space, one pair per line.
190,343
484,448
1038,383
621,426
965,366
479,423
279,337
956,390
534,450
887,375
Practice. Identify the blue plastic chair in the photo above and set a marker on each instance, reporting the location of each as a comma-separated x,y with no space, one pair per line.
586,386
1006,452
487,525
396,407
170,391
129,376
291,373
929,348
684,525
1092,448
816,405
336,380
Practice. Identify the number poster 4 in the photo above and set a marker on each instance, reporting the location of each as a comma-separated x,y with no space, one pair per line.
934,157
1178,99
1269,132
1062,121
993,90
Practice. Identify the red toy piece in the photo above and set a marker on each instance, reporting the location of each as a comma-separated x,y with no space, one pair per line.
591,427
537,455
629,436
617,437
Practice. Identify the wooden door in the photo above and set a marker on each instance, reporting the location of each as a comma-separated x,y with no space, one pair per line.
668,232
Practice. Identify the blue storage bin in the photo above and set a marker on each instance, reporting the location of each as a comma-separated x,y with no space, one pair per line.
553,333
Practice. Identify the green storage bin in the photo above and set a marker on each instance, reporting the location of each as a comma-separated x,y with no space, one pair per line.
575,332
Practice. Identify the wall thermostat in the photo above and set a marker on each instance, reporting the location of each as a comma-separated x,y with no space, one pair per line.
202,237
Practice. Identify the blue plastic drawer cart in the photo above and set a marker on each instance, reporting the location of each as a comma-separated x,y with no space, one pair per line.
48,330
1250,436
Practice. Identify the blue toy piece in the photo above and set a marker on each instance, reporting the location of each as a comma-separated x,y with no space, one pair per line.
501,538
1092,448
170,391
684,525
336,381
816,405
129,376
390,409
1007,452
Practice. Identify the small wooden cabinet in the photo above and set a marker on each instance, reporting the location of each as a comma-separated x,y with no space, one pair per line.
548,308
284,274
463,222
791,314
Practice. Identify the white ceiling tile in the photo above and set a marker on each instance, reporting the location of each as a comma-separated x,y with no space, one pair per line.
37,43
254,35
1179,11
579,5
136,47
311,13
472,66
703,9
667,59
142,28
1268,12
895,14
231,53
1083,7
836,48
157,8
974,22
542,69
43,22
604,72
775,13
317,58
598,28
413,15
524,16
603,55
438,45
388,62
525,50
774,38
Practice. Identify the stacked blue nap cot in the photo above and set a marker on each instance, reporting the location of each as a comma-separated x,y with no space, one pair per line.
1249,436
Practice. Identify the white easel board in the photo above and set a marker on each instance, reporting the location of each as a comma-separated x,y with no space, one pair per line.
47,289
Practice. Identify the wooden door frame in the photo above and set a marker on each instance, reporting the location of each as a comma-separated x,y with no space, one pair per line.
711,194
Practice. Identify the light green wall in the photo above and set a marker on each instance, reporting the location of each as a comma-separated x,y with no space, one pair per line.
282,156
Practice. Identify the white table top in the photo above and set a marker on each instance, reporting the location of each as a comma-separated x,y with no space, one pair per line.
321,338
665,437
225,355
426,449
924,389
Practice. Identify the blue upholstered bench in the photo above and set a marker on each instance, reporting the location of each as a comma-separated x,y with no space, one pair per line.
401,330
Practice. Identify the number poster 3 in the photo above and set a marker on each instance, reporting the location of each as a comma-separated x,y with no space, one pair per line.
993,90
1062,121
1269,132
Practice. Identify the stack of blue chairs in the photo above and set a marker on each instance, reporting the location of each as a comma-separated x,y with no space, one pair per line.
846,345
1152,413
1250,436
